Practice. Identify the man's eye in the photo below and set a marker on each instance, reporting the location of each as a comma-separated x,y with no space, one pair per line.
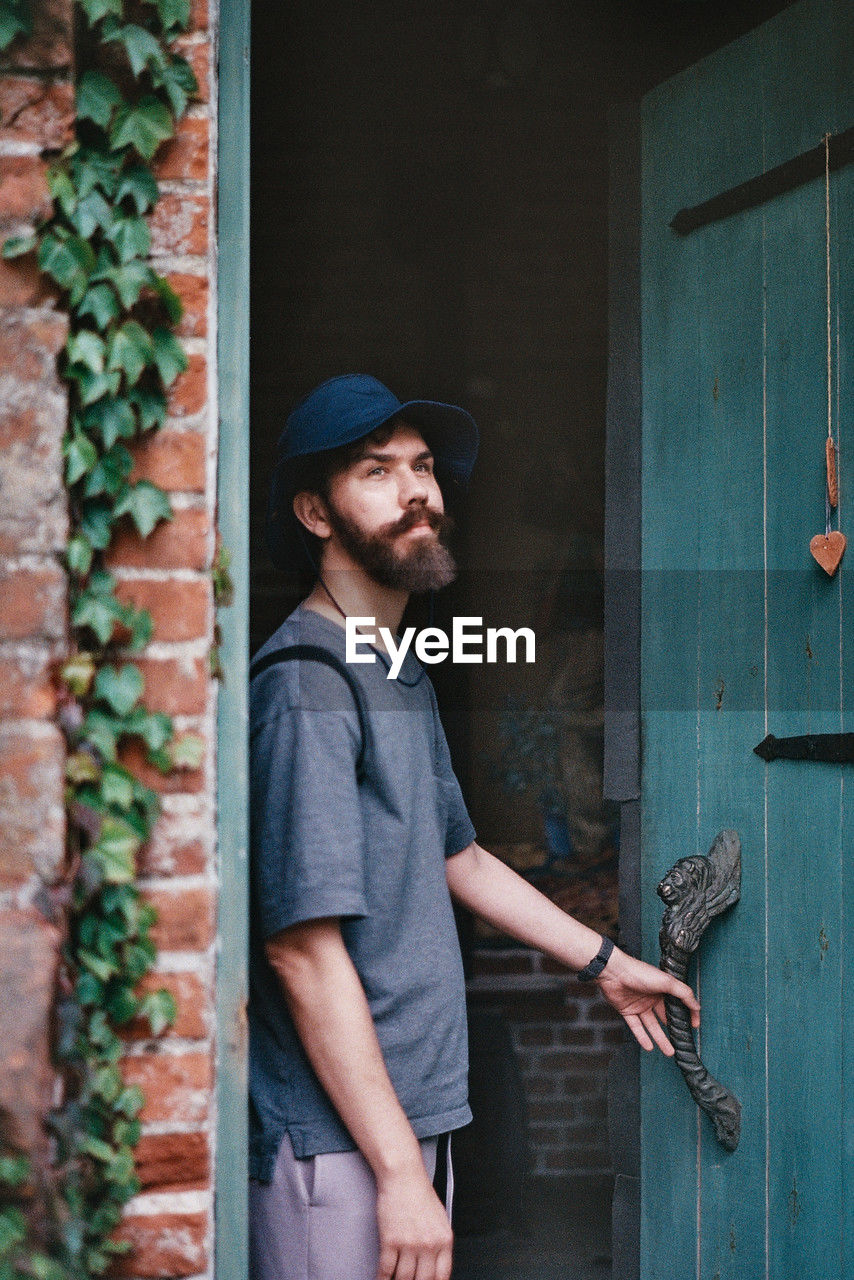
424,466
375,471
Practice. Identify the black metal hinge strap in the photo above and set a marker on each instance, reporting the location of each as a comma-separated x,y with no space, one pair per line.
756,191
834,748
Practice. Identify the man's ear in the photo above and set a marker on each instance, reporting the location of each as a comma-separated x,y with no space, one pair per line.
310,510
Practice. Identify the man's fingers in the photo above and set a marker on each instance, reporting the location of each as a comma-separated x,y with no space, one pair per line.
388,1262
444,1264
407,1261
684,993
637,1029
657,1032
426,1269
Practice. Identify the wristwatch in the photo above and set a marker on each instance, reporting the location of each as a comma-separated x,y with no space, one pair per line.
597,964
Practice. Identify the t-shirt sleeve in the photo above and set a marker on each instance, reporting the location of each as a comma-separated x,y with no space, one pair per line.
306,820
459,831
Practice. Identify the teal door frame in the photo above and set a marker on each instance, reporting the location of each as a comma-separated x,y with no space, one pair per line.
232,235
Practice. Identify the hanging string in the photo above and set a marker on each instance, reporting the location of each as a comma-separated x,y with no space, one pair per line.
831,494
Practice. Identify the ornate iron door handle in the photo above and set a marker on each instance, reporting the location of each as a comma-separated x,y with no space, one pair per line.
695,890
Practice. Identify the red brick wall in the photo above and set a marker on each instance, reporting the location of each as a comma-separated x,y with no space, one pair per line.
171,1221
563,1033
36,105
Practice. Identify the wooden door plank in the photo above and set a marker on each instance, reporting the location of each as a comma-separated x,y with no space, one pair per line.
731,656
669,1168
843,284
804,888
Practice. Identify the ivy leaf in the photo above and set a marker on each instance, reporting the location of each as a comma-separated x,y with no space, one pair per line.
14,1170
169,355
142,126
146,505
153,727
115,852
91,212
112,418
100,303
97,98
121,1005
95,1147
78,673
139,185
187,752
131,237
92,386
16,246
159,1008
131,349
107,1083
110,473
177,80
16,18
172,13
13,1230
150,405
102,969
143,49
69,260
80,456
96,524
81,767
44,1268
93,168
131,1100
130,279
62,188
78,555
99,615
117,786
95,10
88,349
141,626
88,989
169,299
121,688
138,959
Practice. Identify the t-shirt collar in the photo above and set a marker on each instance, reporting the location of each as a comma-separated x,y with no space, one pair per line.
411,669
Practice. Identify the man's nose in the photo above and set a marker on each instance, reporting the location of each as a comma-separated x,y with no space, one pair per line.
413,488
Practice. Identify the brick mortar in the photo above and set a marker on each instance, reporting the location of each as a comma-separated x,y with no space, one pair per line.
558,1068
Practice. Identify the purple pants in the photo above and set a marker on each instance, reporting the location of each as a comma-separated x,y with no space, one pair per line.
317,1219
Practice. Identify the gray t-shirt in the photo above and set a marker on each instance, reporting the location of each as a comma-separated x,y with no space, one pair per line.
371,852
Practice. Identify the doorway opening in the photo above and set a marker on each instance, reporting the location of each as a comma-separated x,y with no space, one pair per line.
430,205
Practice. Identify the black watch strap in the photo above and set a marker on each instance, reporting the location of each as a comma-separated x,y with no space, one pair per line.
597,964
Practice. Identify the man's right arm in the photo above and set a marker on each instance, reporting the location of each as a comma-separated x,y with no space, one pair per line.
333,1020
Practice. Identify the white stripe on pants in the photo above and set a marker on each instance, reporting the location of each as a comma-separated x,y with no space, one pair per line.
317,1219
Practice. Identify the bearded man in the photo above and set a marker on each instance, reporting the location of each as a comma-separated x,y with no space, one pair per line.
360,839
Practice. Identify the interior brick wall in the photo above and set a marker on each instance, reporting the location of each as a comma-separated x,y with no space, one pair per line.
563,1035
170,1222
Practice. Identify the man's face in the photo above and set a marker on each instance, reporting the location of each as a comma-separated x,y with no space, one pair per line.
386,511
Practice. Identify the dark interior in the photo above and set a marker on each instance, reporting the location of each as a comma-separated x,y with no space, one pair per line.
430,205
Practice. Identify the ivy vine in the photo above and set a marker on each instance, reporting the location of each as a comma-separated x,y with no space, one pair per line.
119,361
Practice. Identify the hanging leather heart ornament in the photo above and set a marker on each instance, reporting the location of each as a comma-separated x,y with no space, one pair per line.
828,549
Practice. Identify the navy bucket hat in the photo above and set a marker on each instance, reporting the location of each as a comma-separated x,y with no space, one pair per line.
342,411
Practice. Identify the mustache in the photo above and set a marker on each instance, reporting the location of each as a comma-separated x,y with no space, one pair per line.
439,521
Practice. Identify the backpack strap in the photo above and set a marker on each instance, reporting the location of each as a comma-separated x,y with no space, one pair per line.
316,653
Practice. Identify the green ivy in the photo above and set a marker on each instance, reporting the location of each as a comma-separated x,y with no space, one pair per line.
119,361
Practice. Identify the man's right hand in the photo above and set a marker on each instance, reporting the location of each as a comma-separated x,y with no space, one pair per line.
331,1014
416,1241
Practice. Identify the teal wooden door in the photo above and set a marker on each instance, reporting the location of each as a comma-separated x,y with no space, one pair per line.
743,635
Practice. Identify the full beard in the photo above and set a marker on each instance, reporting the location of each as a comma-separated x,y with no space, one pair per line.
426,565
